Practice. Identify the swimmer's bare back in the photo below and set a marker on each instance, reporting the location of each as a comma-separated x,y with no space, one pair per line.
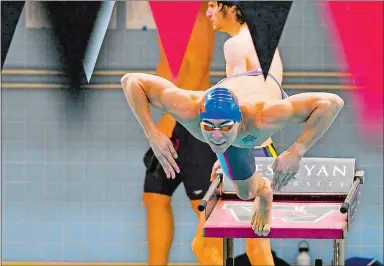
246,59
240,60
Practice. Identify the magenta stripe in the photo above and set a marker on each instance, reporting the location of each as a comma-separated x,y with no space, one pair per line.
306,233
228,168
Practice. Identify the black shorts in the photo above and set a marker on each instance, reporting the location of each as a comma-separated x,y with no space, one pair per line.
195,160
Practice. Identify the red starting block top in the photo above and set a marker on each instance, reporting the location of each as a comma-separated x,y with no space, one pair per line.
308,220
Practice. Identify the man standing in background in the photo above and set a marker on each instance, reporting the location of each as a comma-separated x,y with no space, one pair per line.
195,158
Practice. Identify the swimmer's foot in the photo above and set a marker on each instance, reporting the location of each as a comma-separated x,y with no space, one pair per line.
262,212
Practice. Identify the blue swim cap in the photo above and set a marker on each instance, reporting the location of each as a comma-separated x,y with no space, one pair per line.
219,103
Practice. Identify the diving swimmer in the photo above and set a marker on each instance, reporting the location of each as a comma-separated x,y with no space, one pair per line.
241,57
234,116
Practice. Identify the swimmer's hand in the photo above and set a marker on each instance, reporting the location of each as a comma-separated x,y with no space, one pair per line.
285,167
216,167
165,152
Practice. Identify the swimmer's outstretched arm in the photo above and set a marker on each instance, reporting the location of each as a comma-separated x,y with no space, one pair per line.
316,110
142,89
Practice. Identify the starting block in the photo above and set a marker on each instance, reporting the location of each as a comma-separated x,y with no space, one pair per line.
319,203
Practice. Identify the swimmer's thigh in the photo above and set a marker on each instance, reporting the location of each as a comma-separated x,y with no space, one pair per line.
239,165
249,185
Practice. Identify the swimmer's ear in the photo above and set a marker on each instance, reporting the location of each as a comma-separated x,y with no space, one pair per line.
232,9
202,107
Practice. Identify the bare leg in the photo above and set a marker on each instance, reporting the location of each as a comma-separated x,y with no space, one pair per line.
257,187
246,189
259,251
159,227
262,209
208,251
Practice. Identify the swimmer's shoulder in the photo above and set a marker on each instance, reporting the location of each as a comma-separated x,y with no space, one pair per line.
193,96
264,115
232,45
182,104
253,114
230,42
189,117
250,111
239,46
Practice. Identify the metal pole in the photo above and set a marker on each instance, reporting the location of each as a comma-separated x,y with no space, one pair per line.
228,252
338,252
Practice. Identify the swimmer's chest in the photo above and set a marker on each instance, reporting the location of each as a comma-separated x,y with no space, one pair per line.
252,139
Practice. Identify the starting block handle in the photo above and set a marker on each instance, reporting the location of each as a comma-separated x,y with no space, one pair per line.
211,190
358,179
